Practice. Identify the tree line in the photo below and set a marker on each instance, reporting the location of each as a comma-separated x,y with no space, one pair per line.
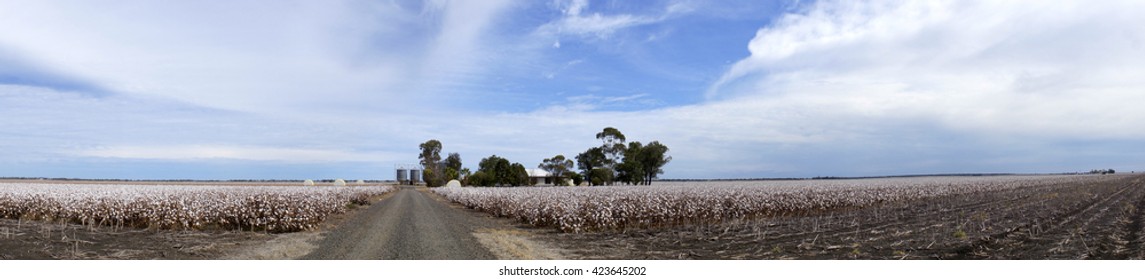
615,161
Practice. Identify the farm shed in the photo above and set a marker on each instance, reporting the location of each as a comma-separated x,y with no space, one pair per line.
539,177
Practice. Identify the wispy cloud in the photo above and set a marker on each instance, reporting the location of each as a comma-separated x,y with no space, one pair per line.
576,21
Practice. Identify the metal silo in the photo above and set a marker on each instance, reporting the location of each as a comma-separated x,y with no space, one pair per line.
402,176
414,176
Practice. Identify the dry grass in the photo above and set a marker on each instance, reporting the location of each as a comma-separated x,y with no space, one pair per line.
513,244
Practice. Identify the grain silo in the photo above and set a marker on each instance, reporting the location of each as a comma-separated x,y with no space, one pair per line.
402,176
414,176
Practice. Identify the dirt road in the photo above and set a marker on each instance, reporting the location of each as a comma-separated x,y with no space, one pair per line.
408,225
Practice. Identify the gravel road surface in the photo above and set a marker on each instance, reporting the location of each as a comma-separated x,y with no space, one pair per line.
408,225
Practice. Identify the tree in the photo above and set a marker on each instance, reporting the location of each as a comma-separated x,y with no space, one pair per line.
464,174
630,170
450,174
641,163
652,159
557,166
501,173
452,167
453,161
481,179
600,176
614,161
576,178
430,158
612,147
497,168
520,175
430,178
589,161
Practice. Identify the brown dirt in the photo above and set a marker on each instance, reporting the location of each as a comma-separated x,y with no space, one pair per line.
1099,219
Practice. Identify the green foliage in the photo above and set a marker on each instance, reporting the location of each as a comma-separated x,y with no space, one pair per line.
481,179
600,176
453,161
451,174
430,160
612,146
464,176
520,175
652,159
641,163
577,178
432,179
590,160
430,153
557,167
614,161
630,170
501,172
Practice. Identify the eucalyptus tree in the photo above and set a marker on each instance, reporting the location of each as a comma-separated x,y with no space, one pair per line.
430,158
557,166
612,146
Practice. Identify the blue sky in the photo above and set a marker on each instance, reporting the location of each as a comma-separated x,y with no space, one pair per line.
736,89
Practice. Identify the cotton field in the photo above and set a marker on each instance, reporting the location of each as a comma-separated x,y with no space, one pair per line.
263,208
577,209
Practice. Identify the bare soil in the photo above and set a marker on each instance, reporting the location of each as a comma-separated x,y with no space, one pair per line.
1101,219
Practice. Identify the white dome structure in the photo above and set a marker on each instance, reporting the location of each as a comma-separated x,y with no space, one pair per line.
453,184
308,183
339,183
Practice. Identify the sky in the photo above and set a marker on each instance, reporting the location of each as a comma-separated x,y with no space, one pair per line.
736,89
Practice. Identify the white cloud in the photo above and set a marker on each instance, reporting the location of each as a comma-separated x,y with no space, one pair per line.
258,56
575,6
457,47
599,25
1066,69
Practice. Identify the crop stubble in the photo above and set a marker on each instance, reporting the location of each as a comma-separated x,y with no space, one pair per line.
1013,217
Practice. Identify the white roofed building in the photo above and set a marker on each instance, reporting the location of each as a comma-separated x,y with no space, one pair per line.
539,177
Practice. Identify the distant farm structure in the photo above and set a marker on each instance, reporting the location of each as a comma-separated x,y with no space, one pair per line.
408,173
539,177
